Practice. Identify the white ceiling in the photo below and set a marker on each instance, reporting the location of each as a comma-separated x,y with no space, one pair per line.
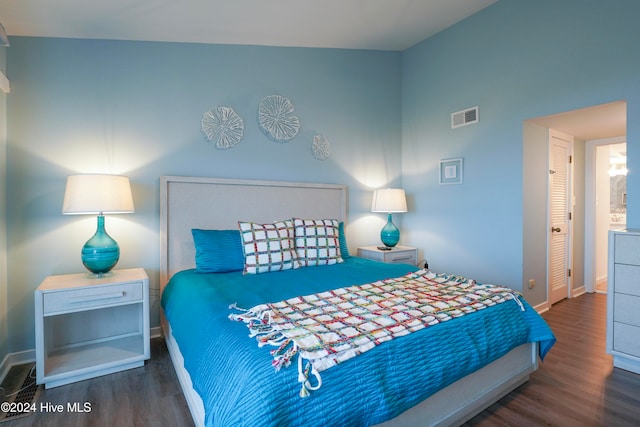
352,24
597,122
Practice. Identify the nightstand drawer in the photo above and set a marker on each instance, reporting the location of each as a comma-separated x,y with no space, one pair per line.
405,257
79,299
397,255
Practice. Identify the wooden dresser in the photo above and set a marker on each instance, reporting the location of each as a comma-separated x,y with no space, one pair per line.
623,299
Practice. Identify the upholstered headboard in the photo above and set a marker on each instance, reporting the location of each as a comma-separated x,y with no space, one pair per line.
213,203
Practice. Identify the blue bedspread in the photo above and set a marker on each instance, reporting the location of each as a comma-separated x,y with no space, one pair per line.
239,386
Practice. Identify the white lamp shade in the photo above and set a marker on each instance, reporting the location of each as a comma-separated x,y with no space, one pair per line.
97,194
389,200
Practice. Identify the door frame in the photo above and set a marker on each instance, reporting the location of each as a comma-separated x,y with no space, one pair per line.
590,208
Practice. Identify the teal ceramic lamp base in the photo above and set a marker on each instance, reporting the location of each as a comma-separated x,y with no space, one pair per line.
390,235
101,253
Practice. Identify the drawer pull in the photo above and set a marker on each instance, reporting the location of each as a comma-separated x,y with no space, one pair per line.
401,258
89,298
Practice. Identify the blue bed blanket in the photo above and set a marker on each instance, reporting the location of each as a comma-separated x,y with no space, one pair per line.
240,387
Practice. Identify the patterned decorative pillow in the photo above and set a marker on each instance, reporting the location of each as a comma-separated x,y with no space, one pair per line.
317,241
268,247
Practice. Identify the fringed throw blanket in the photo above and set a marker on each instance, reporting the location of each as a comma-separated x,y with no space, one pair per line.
330,327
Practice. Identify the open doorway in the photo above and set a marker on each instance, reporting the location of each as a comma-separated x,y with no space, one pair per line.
587,124
610,201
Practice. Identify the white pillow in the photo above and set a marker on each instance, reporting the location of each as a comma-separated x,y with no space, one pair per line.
268,247
317,241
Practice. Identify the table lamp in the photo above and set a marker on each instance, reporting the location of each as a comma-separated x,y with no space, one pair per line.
98,194
389,200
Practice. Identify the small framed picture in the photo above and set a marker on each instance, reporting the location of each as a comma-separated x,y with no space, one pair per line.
451,171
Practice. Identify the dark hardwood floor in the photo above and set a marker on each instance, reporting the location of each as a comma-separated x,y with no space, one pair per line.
145,396
575,386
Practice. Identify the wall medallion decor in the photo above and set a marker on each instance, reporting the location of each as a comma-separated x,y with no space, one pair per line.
276,118
223,127
320,147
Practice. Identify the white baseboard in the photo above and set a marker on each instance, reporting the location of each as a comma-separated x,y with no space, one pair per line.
578,291
542,307
13,359
155,332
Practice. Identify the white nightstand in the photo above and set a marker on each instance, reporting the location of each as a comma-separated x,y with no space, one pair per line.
397,255
88,327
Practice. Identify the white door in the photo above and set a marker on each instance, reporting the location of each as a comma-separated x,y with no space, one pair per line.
559,230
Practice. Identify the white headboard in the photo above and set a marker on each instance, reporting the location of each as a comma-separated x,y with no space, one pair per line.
213,203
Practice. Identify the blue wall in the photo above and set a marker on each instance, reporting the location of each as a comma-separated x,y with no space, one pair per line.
135,108
516,60
86,106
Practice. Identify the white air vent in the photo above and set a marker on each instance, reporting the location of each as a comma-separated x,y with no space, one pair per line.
464,117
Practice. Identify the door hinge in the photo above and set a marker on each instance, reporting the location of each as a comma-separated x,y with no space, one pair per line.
570,159
570,217
569,273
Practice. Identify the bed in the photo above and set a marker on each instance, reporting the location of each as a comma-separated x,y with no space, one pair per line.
405,381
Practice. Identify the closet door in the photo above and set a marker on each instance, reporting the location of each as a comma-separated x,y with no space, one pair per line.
559,231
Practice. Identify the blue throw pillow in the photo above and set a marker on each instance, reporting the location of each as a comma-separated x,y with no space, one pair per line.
344,249
218,251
